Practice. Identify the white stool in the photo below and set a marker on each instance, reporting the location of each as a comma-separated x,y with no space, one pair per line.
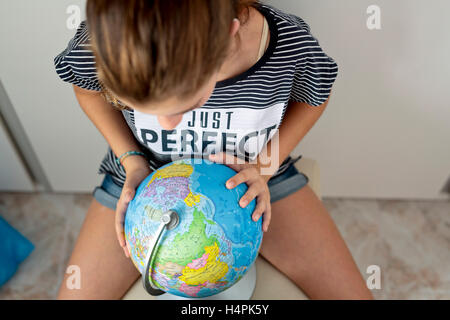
271,284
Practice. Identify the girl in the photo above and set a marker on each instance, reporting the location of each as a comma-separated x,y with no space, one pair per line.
193,78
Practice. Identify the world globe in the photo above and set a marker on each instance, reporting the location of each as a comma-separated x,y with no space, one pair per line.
186,232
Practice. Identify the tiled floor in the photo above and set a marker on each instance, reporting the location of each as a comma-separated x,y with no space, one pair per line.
408,240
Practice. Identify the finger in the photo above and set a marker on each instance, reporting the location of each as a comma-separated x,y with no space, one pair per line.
128,249
251,194
120,231
227,159
241,177
122,205
259,210
125,251
267,217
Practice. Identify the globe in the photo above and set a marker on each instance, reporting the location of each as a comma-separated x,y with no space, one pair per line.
214,241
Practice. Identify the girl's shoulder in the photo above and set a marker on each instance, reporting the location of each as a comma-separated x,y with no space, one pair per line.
76,63
295,34
288,18
315,71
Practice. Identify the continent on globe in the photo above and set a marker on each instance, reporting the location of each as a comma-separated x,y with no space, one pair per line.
215,242
174,170
183,172
188,246
212,271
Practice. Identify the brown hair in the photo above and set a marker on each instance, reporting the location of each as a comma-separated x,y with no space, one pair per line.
150,50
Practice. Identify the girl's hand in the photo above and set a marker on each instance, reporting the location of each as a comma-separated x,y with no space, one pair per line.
135,175
257,185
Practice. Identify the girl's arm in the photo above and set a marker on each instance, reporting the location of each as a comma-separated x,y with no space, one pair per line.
298,120
115,130
111,124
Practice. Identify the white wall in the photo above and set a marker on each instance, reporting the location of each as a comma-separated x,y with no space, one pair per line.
385,133
67,144
13,174
386,130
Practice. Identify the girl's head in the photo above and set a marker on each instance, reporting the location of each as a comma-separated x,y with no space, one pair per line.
162,57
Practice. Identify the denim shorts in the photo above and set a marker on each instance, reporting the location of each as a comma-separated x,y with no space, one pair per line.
280,186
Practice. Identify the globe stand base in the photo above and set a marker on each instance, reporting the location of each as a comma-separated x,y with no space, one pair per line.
242,290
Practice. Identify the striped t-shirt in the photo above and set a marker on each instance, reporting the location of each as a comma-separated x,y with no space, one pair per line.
242,114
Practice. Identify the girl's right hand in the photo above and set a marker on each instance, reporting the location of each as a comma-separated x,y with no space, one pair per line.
134,176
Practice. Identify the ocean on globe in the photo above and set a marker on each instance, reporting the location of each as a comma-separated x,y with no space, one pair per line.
215,242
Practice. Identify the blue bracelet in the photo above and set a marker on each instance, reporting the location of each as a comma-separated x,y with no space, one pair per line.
129,153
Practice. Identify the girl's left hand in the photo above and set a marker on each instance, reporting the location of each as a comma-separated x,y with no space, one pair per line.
257,185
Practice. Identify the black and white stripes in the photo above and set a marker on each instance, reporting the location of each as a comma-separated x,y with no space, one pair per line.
76,64
294,67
